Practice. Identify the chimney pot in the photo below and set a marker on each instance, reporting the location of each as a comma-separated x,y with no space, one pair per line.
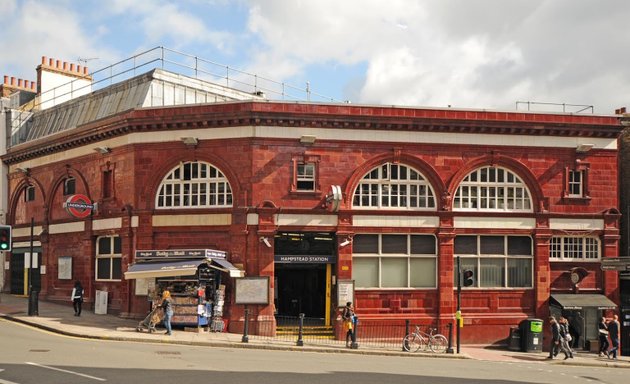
6,79
65,65
44,60
20,83
85,70
33,84
71,67
58,66
51,62
12,80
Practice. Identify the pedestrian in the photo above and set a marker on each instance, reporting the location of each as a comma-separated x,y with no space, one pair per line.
77,297
348,323
603,337
565,338
613,332
167,306
555,339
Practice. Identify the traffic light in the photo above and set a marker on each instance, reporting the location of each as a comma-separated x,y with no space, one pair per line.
5,237
468,277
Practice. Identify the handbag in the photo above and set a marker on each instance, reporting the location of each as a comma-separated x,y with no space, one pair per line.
568,337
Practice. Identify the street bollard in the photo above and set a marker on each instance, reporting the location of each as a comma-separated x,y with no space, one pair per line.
300,342
354,344
450,338
33,303
407,323
245,338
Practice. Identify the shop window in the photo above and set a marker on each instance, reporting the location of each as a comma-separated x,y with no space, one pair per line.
574,248
108,258
496,261
29,193
492,189
394,186
69,186
394,261
194,185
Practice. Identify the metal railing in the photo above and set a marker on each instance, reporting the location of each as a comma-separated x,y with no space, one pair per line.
372,334
552,107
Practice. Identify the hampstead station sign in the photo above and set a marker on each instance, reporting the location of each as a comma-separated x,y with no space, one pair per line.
304,259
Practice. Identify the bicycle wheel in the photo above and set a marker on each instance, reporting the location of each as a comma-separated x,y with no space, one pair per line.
438,343
413,343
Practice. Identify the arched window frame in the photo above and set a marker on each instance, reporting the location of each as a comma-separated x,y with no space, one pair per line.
194,184
495,189
394,186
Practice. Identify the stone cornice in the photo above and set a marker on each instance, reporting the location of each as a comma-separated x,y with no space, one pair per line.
329,116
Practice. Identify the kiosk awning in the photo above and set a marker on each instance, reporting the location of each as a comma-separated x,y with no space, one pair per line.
581,301
226,266
171,268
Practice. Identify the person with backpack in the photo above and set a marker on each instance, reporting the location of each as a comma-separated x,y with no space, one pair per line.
77,297
348,322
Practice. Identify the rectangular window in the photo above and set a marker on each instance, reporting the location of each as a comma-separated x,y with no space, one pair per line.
108,258
576,183
29,193
574,248
394,261
69,186
305,176
496,261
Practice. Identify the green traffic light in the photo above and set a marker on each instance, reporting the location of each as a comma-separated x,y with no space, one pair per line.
4,245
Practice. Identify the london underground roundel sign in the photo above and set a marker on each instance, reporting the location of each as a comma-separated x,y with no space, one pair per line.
79,206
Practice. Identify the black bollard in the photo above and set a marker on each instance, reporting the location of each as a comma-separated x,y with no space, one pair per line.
353,336
245,338
300,342
450,338
407,323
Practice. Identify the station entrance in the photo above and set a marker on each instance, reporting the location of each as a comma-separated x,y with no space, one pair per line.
303,275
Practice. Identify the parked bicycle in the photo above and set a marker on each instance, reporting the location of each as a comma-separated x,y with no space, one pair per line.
419,340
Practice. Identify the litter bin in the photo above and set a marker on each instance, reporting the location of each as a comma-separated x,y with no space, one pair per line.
514,341
531,335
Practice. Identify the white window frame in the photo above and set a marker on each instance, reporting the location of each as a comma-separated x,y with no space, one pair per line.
194,184
409,256
305,176
575,248
493,189
576,184
111,256
505,256
378,189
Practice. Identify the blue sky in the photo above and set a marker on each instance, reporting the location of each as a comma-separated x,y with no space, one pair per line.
466,54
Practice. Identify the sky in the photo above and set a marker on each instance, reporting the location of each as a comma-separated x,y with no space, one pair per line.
478,54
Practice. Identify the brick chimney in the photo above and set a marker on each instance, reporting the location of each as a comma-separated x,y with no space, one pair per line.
11,85
59,81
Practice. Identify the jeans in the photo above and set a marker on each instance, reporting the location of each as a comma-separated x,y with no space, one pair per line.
615,344
76,303
167,321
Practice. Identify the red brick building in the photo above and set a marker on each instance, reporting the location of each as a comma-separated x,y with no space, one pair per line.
316,195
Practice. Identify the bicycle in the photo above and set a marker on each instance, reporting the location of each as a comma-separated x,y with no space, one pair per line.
418,339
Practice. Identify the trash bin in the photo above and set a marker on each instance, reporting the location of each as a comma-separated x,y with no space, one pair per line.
514,341
531,335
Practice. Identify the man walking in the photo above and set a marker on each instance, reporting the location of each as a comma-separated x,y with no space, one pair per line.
555,339
613,332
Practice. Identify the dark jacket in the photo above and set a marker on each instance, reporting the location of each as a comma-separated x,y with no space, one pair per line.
555,331
613,329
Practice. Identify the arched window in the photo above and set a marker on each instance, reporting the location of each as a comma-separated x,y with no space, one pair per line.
194,185
492,189
394,186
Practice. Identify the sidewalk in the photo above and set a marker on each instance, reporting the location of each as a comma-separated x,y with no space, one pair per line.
60,319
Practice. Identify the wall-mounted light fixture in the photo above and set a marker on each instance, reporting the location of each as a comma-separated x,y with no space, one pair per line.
265,240
307,139
25,171
103,150
583,148
191,141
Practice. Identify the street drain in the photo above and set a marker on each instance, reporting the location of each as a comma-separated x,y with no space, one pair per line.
39,350
168,353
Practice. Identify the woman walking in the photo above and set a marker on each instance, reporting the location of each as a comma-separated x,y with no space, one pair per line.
603,337
167,306
77,297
